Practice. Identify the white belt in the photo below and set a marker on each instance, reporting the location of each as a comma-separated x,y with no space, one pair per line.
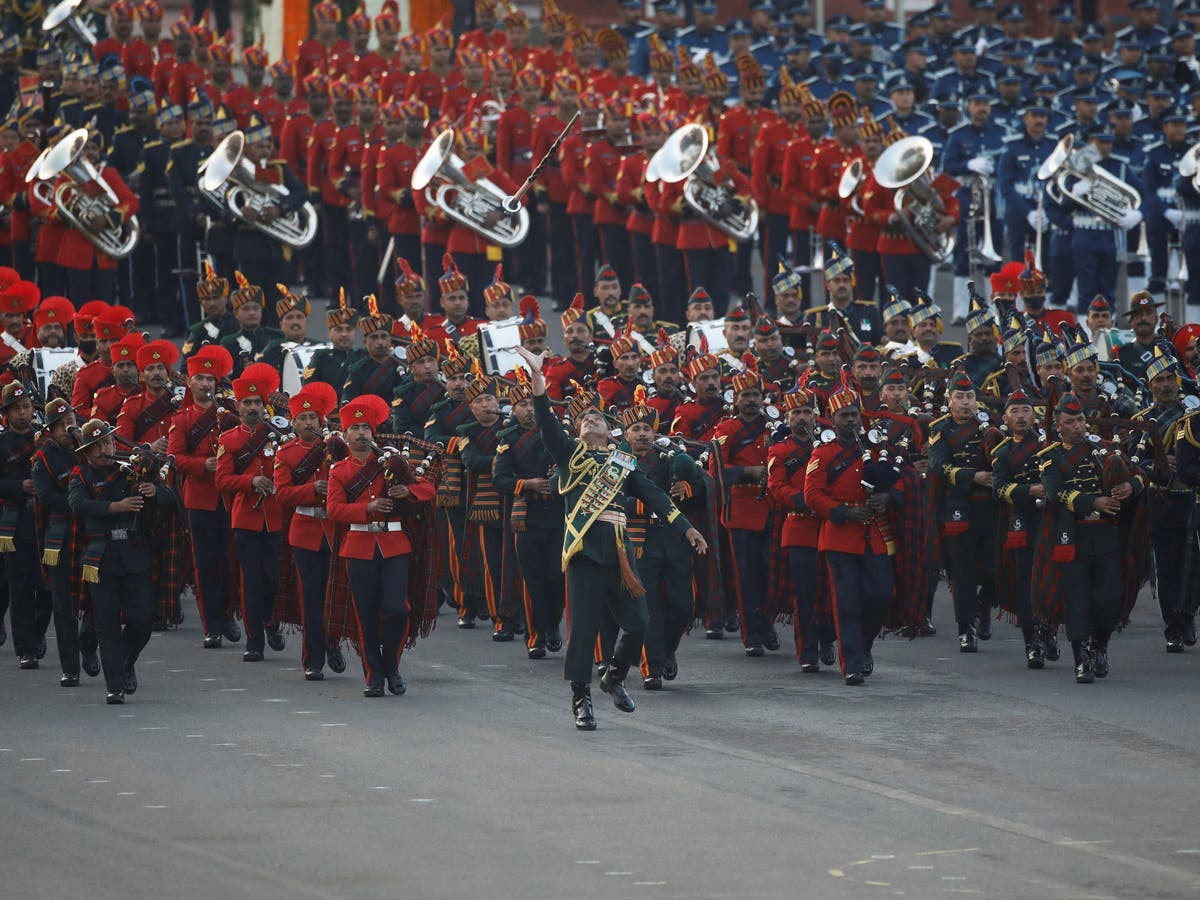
377,526
1090,222
612,517
1191,215
313,512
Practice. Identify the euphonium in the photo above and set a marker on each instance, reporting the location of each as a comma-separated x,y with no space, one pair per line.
65,18
85,195
229,180
852,177
477,204
904,168
1107,196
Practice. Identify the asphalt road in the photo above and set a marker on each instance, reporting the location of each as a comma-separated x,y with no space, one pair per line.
946,774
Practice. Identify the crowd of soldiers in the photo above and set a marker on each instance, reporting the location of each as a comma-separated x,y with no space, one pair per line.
734,466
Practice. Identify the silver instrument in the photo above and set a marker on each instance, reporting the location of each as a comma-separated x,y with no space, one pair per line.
852,178
981,200
66,19
43,190
686,156
229,181
85,195
477,204
1189,165
904,168
1107,196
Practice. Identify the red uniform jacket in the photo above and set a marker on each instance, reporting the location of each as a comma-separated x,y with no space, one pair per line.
572,156
768,167
132,426
445,329
15,166
372,65
241,100
550,182
484,40
199,485
617,392
139,58
879,205
631,193
306,532
823,178
665,230
293,144
743,444
550,62
863,232
186,77
320,174
278,112
466,240
514,142
74,250
394,180
88,380
109,401
435,224
268,516
601,165
736,128
427,85
694,232
832,484
314,55
786,463
362,544
698,420
563,370
50,235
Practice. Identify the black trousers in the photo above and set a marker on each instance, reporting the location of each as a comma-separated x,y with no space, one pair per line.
475,267
1021,559
30,607
22,261
868,275
312,573
616,251
179,307
364,259
72,635
539,553
645,266
862,586
143,280
752,555
94,283
258,559
221,14
124,609
379,587
810,635
743,258
210,555
774,246
583,230
490,537
337,253
432,255
904,273
563,274
713,271
452,533
665,568
1092,582
971,565
530,271
591,589
1169,536
408,247
672,298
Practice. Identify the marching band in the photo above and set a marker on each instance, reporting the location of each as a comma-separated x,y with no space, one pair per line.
732,465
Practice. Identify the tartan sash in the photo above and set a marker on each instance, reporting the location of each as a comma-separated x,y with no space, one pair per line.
204,423
370,386
309,463
153,414
360,482
249,451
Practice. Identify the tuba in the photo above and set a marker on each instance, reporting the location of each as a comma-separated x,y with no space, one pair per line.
904,168
85,194
1107,196
686,156
42,190
1189,166
65,19
477,204
228,180
852,177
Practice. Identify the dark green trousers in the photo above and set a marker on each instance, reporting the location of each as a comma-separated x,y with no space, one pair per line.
591,589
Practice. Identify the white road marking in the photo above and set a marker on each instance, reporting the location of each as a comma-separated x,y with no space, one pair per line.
32,759
649,883
155,806
944,852
381,787
333,724
97,781
177,671
59,771
152,728
304,712
587,862
276,700
194,735
618,873
126,793
224,745
233,690
426,800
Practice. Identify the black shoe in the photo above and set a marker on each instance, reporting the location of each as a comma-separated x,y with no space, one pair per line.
984,630
1035,657
614,686
581,706
68,679
335,660
396,684
275,640
670,668
91,662
554,641
926,628
130,681
771,640
1175,643
114,697
503,636
1085,672
312,674
212,642
732,623
652,683
373,690
39,649
828,655
232,631
967,642
1100,662
466,621
28,661
1050,646
537,651
483,616
868,665
252,656
855,678
810,668
1189,635
755,650
519,628
3,632
714,634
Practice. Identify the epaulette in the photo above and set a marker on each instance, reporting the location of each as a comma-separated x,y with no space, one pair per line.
1048,448
466,429
1184,429
870,303
954,344
1147,148
939,420
511,428
122,130
182,143
996,449
1013,138
157,142
957,128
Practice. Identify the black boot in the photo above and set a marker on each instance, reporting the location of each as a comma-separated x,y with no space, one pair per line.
613,682
1099,650
1050,644
1085,672
985,625
966,638
581,705
1034,655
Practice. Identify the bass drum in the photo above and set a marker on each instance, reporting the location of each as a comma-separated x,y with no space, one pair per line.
295,363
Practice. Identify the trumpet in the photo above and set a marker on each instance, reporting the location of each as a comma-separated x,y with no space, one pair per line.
85,195
228,180
480,205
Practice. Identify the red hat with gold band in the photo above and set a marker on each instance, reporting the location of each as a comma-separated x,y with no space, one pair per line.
840,399
126,349
20,297
327,11
531,77
258,380
150,11
211,359
157,352
54,311
499,289
409,281
256,54
626,343
316,396
440,36
359,20
281,68
388,20
700,361
797,399
565,80
367,409
113,323
85,316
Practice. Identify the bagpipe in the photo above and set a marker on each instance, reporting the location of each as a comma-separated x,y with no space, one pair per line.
397,462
